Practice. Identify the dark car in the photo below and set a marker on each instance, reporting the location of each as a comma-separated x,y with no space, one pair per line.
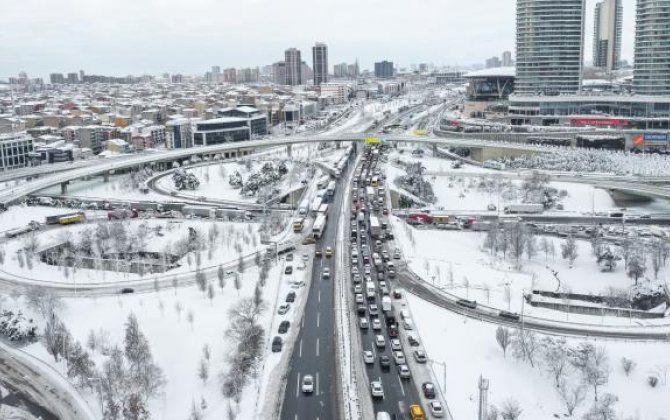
289,257
276,344
412,341
283,327
361,309
127,290
428,390
385,362
318,253
290,297
393,330
288,269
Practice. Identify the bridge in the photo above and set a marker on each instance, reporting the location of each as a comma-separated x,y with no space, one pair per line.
235,149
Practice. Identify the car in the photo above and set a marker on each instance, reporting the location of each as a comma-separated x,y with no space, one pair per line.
276,344
376,389
361,309
283,327
395,344
325,274
428,390
436,409
391,273
354,260
399,357
358,288
396,255
384,361
416,412
127,290
360,298
307,384
356,278
368,357
308,241
297,284
385,256
289,257
283,309
318,253
374,309
288,269
380,342
305,257
408,324
354,270
403,371
367,270
376,324
363,323
329,251
397,294
290,297
420,356
412,340
393,330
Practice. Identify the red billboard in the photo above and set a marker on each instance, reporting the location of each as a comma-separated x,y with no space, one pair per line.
617,122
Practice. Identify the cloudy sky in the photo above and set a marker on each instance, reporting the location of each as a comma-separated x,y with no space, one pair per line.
122,37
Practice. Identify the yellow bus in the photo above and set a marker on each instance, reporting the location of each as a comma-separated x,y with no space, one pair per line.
298,225
73,218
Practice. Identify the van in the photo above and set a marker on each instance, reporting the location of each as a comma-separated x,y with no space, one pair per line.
416,412
383,415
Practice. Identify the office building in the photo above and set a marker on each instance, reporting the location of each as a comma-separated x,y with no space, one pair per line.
247,75
352,70
257,121
320,63
230,75
306,73
293,67
507,59
14,150
221,130
177,78
493,62
607,34
549,50
279,73
651,72
384,69
178,134
56,78
340,70
72,78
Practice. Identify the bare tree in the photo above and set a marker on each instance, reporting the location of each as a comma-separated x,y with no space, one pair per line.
503,338
238,283
511,410
636,266
190,317
571,395
544,246
178,306
603,409
569,250
201,281
203,370
593,364
43,301
627,365
220,275
525,345
210,293
556,358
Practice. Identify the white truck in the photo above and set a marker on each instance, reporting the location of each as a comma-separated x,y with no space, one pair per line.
319,226
375,227
386,304
331,188
524,208
316,203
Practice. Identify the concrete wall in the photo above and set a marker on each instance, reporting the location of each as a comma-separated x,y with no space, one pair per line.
482,154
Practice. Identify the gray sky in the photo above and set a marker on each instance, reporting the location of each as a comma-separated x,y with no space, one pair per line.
152,36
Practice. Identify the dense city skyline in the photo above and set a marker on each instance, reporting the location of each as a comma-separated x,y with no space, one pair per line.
74,37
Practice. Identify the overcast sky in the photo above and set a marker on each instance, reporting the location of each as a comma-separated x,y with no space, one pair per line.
123,37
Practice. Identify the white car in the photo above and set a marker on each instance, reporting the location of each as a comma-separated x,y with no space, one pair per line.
436,409
354,260
326,273
363,322
379,341
403,371
308,384
395,344
376,389
359,298
376,324
368,357
354,270
358,289
356,278
408,324
399,357
305,257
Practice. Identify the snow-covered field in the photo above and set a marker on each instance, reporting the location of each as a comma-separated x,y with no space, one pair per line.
118,187
496,283
469,349
159,236
178,323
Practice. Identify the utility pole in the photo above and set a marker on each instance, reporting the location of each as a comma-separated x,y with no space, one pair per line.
483,397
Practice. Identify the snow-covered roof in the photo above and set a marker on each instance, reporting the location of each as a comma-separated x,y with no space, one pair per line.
493,72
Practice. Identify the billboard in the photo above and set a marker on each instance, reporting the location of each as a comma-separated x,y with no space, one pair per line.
599,121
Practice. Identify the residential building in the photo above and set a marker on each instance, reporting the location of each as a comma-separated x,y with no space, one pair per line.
72,78
384,69
56,78
507,59
320,63
293,67
230,75
279,73
247,75
15,150
306,73
651,72
352,70
91,137
177,78
340,70
493,62
549,50
334,93
607,34
178,134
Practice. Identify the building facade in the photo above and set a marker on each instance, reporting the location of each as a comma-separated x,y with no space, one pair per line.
607,34
384,69
320,63
334,93
651,73
507,59
279,73
293,67
549,46
14,150
221,130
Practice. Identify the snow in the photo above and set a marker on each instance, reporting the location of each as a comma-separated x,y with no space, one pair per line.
469,349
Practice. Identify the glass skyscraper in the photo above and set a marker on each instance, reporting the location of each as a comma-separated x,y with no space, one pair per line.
651,74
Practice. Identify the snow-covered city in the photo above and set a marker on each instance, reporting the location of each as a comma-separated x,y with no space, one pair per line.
376,239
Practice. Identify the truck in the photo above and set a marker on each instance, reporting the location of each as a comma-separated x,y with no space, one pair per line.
524,208
322,182
316,203
304,207
120,214
323,209
331,188
386,304
53,220
419,218
375,227
370,193
13,233
319,226
195,211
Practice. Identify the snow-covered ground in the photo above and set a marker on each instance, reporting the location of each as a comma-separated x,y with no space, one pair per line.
496,283
177,343
17,216
469,349
232,237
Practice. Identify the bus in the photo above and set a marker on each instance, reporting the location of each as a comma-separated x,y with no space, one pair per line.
73,218
319,226
331,188
375,182
298,225
323,209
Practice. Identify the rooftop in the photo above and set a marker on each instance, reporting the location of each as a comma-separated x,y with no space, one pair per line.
493,72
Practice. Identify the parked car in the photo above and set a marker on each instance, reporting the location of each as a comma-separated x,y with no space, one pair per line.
288,269
290,297
428,390
276,344
283,309
283,327
436,409
420,356
412,340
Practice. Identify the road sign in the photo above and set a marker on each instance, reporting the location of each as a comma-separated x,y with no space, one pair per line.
372,140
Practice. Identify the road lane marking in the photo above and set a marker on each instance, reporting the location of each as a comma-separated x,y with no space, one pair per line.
319,296
317,383
297,388
318,317
402,388
317,347
300,350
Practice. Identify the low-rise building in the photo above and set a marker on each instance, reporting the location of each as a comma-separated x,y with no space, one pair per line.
15,150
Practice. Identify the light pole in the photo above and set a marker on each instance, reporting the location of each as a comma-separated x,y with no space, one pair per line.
443,385
102,410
